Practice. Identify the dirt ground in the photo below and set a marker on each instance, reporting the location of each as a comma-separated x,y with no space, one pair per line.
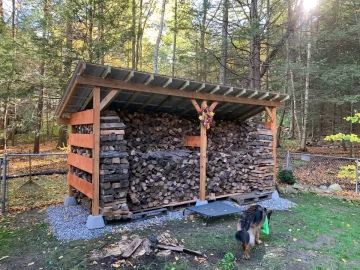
320,233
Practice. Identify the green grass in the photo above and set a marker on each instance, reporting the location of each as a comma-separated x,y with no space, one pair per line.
320,233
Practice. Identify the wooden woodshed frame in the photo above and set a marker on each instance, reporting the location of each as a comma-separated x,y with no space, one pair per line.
93,87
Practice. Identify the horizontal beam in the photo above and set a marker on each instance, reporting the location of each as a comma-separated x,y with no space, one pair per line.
81,185
82,118
81,140
63,121
138,87
81,162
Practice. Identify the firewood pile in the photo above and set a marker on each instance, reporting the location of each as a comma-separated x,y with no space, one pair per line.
135,246
114,168
163,171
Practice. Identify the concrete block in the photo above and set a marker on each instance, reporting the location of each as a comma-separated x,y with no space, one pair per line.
95,222
198,202
70,201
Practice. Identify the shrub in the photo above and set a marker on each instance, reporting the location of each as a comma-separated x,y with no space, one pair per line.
227,263
287,177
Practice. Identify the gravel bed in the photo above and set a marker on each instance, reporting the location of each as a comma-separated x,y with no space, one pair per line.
69,223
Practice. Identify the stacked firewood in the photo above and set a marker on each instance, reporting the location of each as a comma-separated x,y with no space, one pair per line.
114,167
163,171
84,129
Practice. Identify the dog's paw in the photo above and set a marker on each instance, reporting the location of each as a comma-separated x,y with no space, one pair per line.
258,242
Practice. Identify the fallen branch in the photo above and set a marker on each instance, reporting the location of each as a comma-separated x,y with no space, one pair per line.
173,248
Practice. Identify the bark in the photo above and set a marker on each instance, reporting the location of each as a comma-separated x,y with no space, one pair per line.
296,121
1,12
139,36
100,35
174,40
202,42
40,104
306,100
133,35
224,43
255,78
91,28
68,60
158,40
6,115
268,42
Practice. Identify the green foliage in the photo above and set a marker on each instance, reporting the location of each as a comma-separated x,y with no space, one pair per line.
287,177
227,263
349,172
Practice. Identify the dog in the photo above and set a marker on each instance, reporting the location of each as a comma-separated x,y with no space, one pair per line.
249,225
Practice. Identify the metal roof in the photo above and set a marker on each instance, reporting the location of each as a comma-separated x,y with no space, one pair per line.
78,96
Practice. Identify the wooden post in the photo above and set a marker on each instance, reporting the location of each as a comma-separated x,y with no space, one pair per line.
96,151
203,146
274,130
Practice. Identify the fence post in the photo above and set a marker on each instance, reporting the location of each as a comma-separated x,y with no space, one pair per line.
3,191
288,160
357,176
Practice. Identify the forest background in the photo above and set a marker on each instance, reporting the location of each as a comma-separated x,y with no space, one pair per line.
307,49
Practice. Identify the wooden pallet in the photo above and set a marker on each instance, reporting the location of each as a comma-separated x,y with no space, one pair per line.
251,197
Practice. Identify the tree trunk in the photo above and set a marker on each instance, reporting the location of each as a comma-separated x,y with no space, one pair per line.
255,47
6,114
139,36
278,134
174,40
62,138
90,36
224,43
306,99
100,35
1,13
158,40
133,35
202,42
40,104
294,103
268,41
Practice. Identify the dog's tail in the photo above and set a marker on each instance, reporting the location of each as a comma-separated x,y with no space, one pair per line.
243,237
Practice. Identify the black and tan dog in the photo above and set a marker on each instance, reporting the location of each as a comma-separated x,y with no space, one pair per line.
249,225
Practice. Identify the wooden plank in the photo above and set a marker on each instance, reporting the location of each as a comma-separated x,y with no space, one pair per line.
63,121
267,124
269,113
96,151
109,132
203,146
138,87
81,162
196,105
193,141
82,118
80,184
82,140
107,100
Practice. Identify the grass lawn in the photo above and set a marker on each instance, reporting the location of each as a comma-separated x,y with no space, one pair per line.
320,233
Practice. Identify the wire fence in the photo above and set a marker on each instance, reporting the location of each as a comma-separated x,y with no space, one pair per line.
31,180
317,170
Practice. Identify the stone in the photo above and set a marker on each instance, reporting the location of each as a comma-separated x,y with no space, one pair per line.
335,187
95,222
323,187
282,190
300,187
163,253
291,190
275,195
70,201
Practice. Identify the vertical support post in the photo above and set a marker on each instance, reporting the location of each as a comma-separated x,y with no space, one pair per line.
357,177
3,191
274,129
203,147
96,151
